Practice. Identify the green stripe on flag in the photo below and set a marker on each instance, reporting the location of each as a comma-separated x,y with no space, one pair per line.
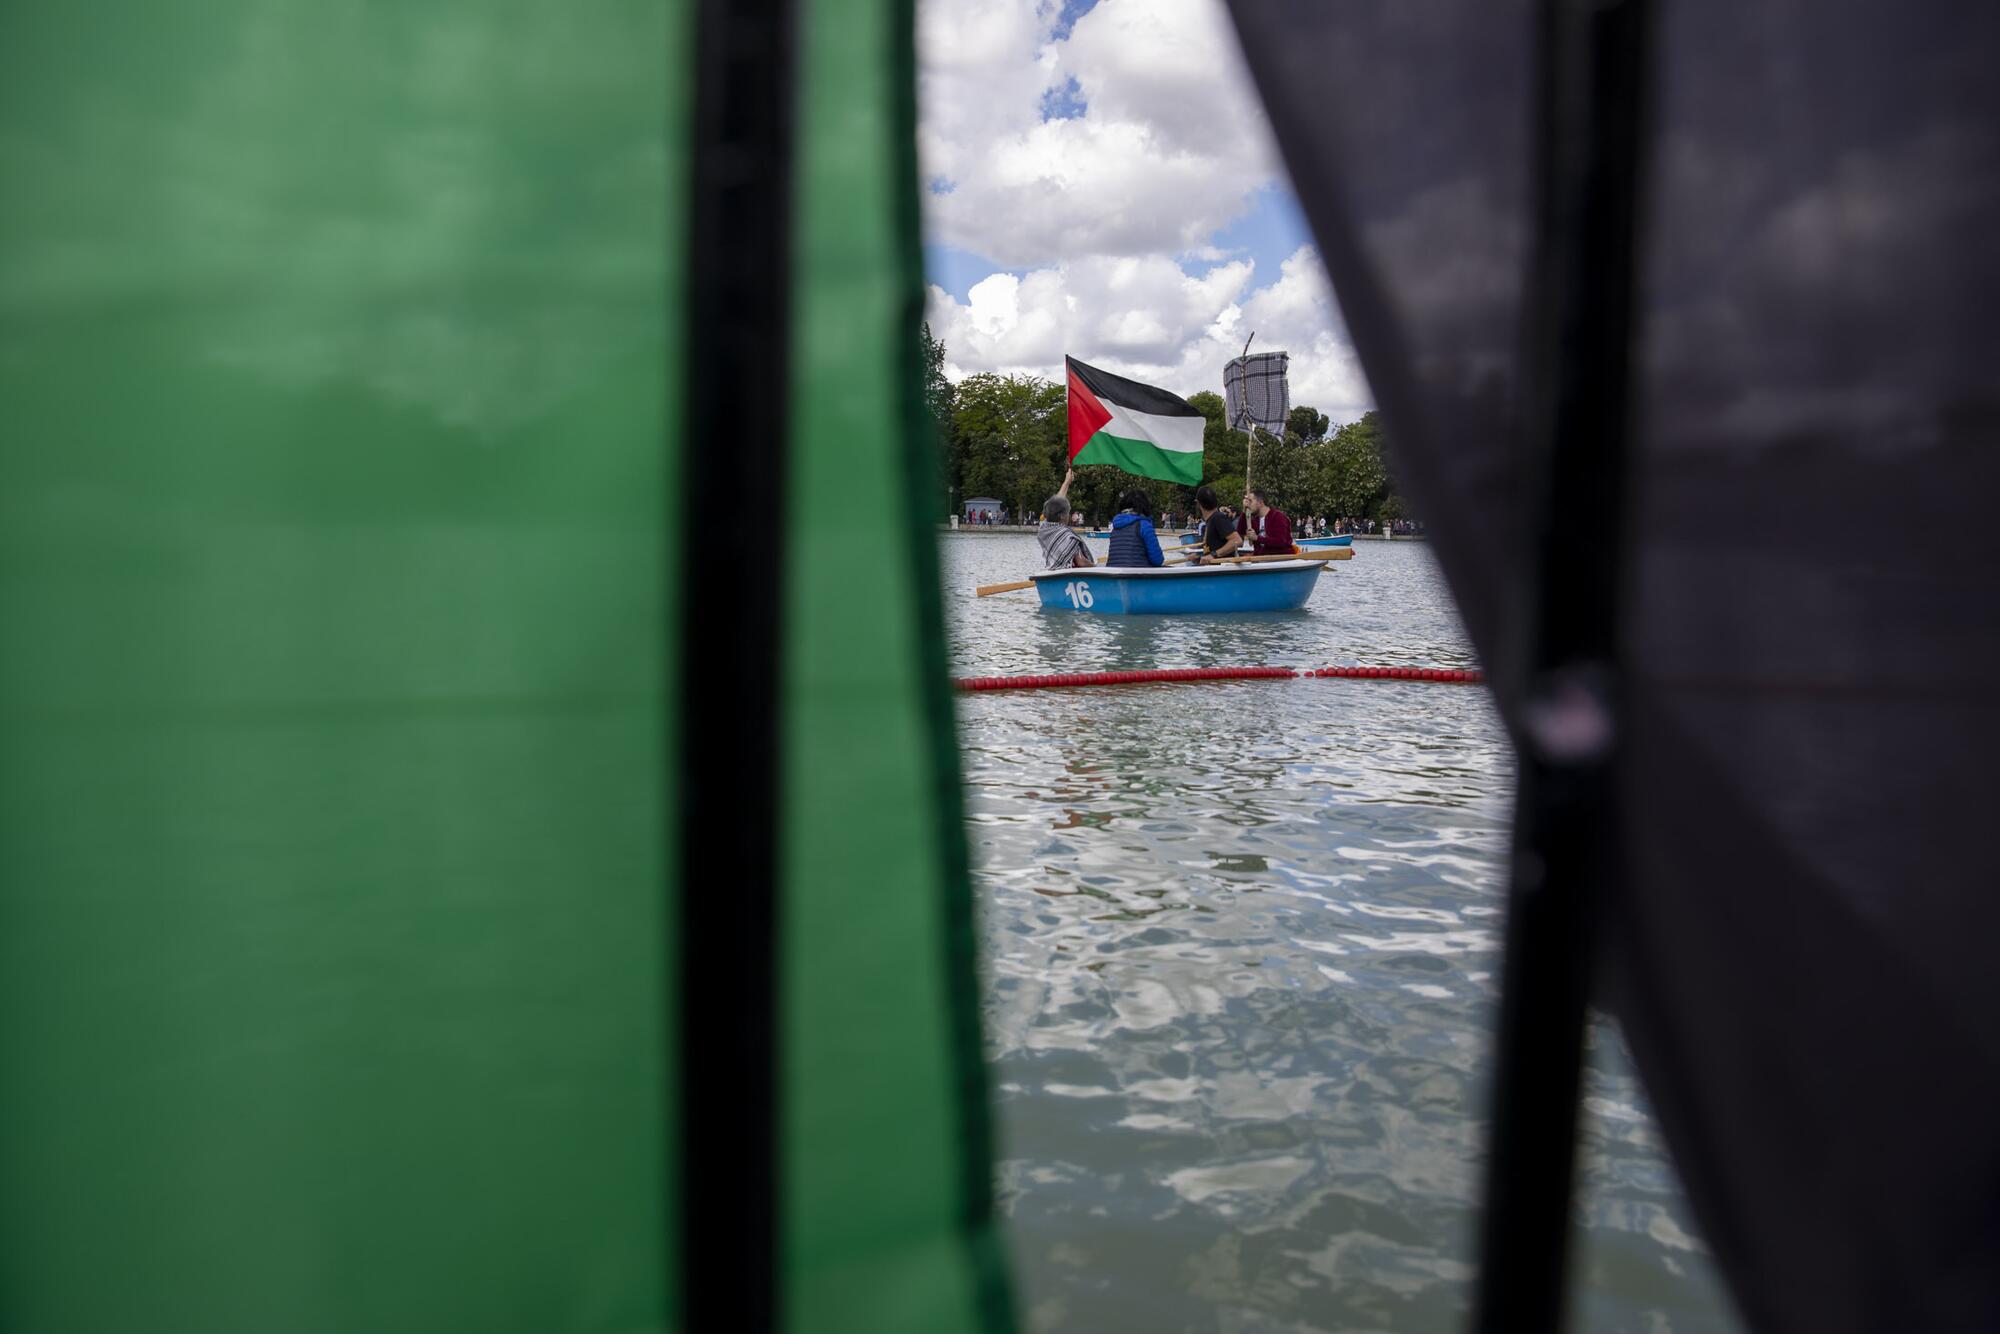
1142,458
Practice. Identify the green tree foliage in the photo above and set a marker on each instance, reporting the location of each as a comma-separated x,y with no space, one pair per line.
1222,450
1353,480
940,399
1308,473
1007,439
1284,470
1307,425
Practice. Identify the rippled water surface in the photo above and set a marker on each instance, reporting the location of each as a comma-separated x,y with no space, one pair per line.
1241,942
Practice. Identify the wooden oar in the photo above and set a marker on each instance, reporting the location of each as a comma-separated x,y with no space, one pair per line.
988,590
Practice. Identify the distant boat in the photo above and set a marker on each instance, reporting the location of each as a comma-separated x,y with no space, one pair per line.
1179,589
1343,540
1102,534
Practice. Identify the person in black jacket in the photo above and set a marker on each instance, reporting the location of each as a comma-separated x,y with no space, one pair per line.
1219,537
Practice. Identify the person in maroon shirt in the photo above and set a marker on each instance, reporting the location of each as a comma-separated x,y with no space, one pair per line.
1267,530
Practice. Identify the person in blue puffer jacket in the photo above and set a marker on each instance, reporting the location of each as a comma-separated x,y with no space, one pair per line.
1133,541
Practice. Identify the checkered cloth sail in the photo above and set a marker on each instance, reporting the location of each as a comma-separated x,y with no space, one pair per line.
1257,392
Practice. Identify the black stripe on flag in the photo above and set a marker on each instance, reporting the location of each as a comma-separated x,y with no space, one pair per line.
1130,393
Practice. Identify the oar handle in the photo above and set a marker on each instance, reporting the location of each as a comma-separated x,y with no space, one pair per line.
988,590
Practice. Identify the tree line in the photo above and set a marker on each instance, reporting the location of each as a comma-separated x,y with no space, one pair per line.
1003,436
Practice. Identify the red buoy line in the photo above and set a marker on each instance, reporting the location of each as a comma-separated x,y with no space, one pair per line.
1065,680
1461,676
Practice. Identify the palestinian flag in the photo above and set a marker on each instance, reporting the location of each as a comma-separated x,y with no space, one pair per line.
1132,426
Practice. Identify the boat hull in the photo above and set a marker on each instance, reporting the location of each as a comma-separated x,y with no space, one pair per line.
1343,540
1180,590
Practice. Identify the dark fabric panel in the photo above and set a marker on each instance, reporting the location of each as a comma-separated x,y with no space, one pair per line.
1796,943
1408,128
1802,937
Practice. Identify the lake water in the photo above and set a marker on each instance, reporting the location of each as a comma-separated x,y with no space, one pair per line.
1241,950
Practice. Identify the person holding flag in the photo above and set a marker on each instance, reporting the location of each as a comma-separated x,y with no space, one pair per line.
1061,548
1267,529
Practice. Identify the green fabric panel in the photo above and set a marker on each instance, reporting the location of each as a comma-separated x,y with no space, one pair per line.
1142,458
884,1228
335,603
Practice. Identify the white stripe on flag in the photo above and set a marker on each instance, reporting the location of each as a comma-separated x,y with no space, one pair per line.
1181,435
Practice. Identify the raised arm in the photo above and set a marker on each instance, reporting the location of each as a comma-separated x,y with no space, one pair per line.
1069,475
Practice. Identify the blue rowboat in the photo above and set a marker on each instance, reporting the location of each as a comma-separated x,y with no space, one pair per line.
1189,539
1344,540
1101,534
1180,589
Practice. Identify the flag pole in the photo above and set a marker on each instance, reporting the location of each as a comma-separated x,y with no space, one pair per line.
1249,450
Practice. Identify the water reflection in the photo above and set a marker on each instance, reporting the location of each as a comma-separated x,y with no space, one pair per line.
1242,941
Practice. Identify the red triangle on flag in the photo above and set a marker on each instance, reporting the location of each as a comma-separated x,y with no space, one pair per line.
1086,415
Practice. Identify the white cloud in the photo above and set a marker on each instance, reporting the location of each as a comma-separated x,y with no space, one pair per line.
1148,318
1170,148
1297,314
1102,215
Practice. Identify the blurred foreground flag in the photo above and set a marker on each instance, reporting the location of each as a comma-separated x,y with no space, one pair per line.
1133,426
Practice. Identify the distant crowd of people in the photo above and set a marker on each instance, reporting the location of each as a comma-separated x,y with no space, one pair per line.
1395,527
1176,522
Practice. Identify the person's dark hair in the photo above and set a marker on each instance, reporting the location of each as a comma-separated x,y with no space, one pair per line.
1204,496
1135,499
1262,498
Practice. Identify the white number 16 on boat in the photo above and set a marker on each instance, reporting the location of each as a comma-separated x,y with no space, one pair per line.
1079,594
